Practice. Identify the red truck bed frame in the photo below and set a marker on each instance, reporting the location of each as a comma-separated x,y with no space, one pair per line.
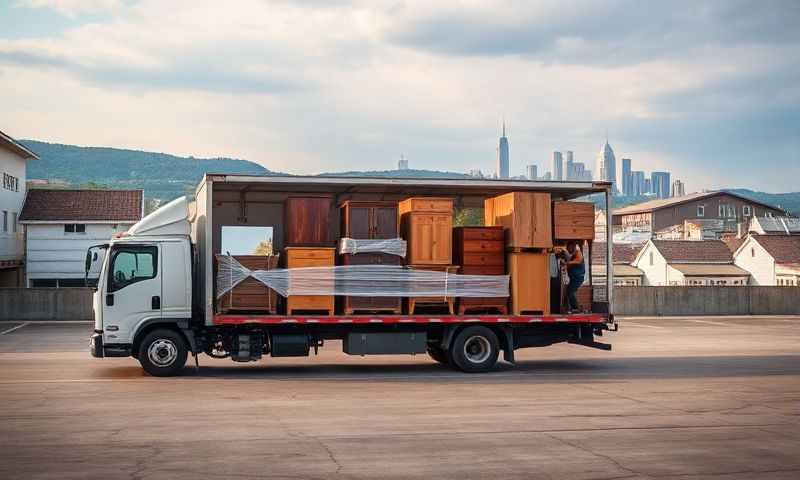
226,319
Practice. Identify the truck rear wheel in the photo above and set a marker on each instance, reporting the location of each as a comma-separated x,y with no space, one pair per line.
475,349
163,353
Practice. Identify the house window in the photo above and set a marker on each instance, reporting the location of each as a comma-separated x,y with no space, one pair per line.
770,215
5,220
14,222
651,258
752,252
731,211
721,211
746,210
74,228
701,210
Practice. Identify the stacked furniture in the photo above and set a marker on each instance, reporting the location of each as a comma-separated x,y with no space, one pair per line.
575,221
308,245
364,221
414,302
250,295
426,223
480,251
527,218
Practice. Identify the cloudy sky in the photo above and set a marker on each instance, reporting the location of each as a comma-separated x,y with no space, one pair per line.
709,91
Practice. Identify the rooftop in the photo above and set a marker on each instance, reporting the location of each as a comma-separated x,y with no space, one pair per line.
42,205
711,269
785,249
622,253
16,147
694,251
652,205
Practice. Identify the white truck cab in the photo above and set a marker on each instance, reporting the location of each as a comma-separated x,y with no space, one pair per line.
145,285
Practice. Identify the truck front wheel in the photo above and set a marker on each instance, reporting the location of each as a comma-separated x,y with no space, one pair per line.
163,353
475,349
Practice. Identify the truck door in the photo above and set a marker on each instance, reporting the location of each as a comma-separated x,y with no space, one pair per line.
133,290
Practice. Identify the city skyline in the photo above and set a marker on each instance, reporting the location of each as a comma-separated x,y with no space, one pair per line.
306,87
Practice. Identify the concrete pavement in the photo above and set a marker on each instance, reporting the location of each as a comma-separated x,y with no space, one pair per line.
677,398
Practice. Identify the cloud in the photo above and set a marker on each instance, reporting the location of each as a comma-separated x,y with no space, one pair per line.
73,8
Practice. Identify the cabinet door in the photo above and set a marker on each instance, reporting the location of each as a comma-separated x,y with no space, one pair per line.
442,239
421,241
358,222
307,221
384,221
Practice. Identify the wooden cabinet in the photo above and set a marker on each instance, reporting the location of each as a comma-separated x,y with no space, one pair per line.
250,295
446,301
525,215
573,220
300,257
427,226
480,251
307,221
530,282
368,220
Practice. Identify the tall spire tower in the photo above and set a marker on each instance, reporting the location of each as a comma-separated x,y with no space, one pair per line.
502,155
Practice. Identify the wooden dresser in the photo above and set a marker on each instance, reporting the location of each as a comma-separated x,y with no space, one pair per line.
573,220
447,301
299,257
307,221
370,220
250,295
480,251
530,282
427,225
526,216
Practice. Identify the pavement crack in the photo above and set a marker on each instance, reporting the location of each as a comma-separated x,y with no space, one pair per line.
630,471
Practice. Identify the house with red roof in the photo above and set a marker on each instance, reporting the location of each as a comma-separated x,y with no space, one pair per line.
61,224
688,262
770,259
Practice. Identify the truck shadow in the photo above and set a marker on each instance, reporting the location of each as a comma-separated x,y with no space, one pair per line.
533,371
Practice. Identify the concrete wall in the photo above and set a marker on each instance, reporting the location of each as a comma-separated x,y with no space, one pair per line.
717,300
45,304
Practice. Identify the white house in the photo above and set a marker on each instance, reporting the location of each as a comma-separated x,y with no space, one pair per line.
688,262
13,161
60,225
770,259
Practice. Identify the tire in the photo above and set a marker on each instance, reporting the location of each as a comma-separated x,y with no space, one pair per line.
163,353
438,354
474,350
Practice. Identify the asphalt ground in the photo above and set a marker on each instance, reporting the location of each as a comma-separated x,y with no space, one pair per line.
694,398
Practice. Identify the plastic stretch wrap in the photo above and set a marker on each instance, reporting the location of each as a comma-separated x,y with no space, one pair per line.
392,246
363,280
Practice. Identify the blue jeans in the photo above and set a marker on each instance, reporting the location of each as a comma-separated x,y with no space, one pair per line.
575,282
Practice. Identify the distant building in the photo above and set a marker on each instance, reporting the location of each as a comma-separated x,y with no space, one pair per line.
660,184
607,166
648,186
547,176
402,164
531,172
558,166
627,184
677,189
502,155
637,183
686,262
61,224
624,273
656,215
13,166
770,259
475,172
569,165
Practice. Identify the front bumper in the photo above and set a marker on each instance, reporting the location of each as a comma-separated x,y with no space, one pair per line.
99,350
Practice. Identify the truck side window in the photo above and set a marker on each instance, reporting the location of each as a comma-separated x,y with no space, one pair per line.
132,264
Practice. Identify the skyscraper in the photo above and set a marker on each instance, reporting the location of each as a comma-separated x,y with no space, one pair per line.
607,166
660,184
402,164
677,189
637,183
532,172
558,166
626,176
648,186
570,167
502,155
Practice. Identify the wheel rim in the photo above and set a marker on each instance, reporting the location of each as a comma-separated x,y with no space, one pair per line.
477,349
162,352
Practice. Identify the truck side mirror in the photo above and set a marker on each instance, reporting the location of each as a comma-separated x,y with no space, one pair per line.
88,263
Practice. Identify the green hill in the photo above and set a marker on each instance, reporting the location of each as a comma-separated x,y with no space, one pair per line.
161,175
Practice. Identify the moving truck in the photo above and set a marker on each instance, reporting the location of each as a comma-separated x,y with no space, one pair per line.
156,296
